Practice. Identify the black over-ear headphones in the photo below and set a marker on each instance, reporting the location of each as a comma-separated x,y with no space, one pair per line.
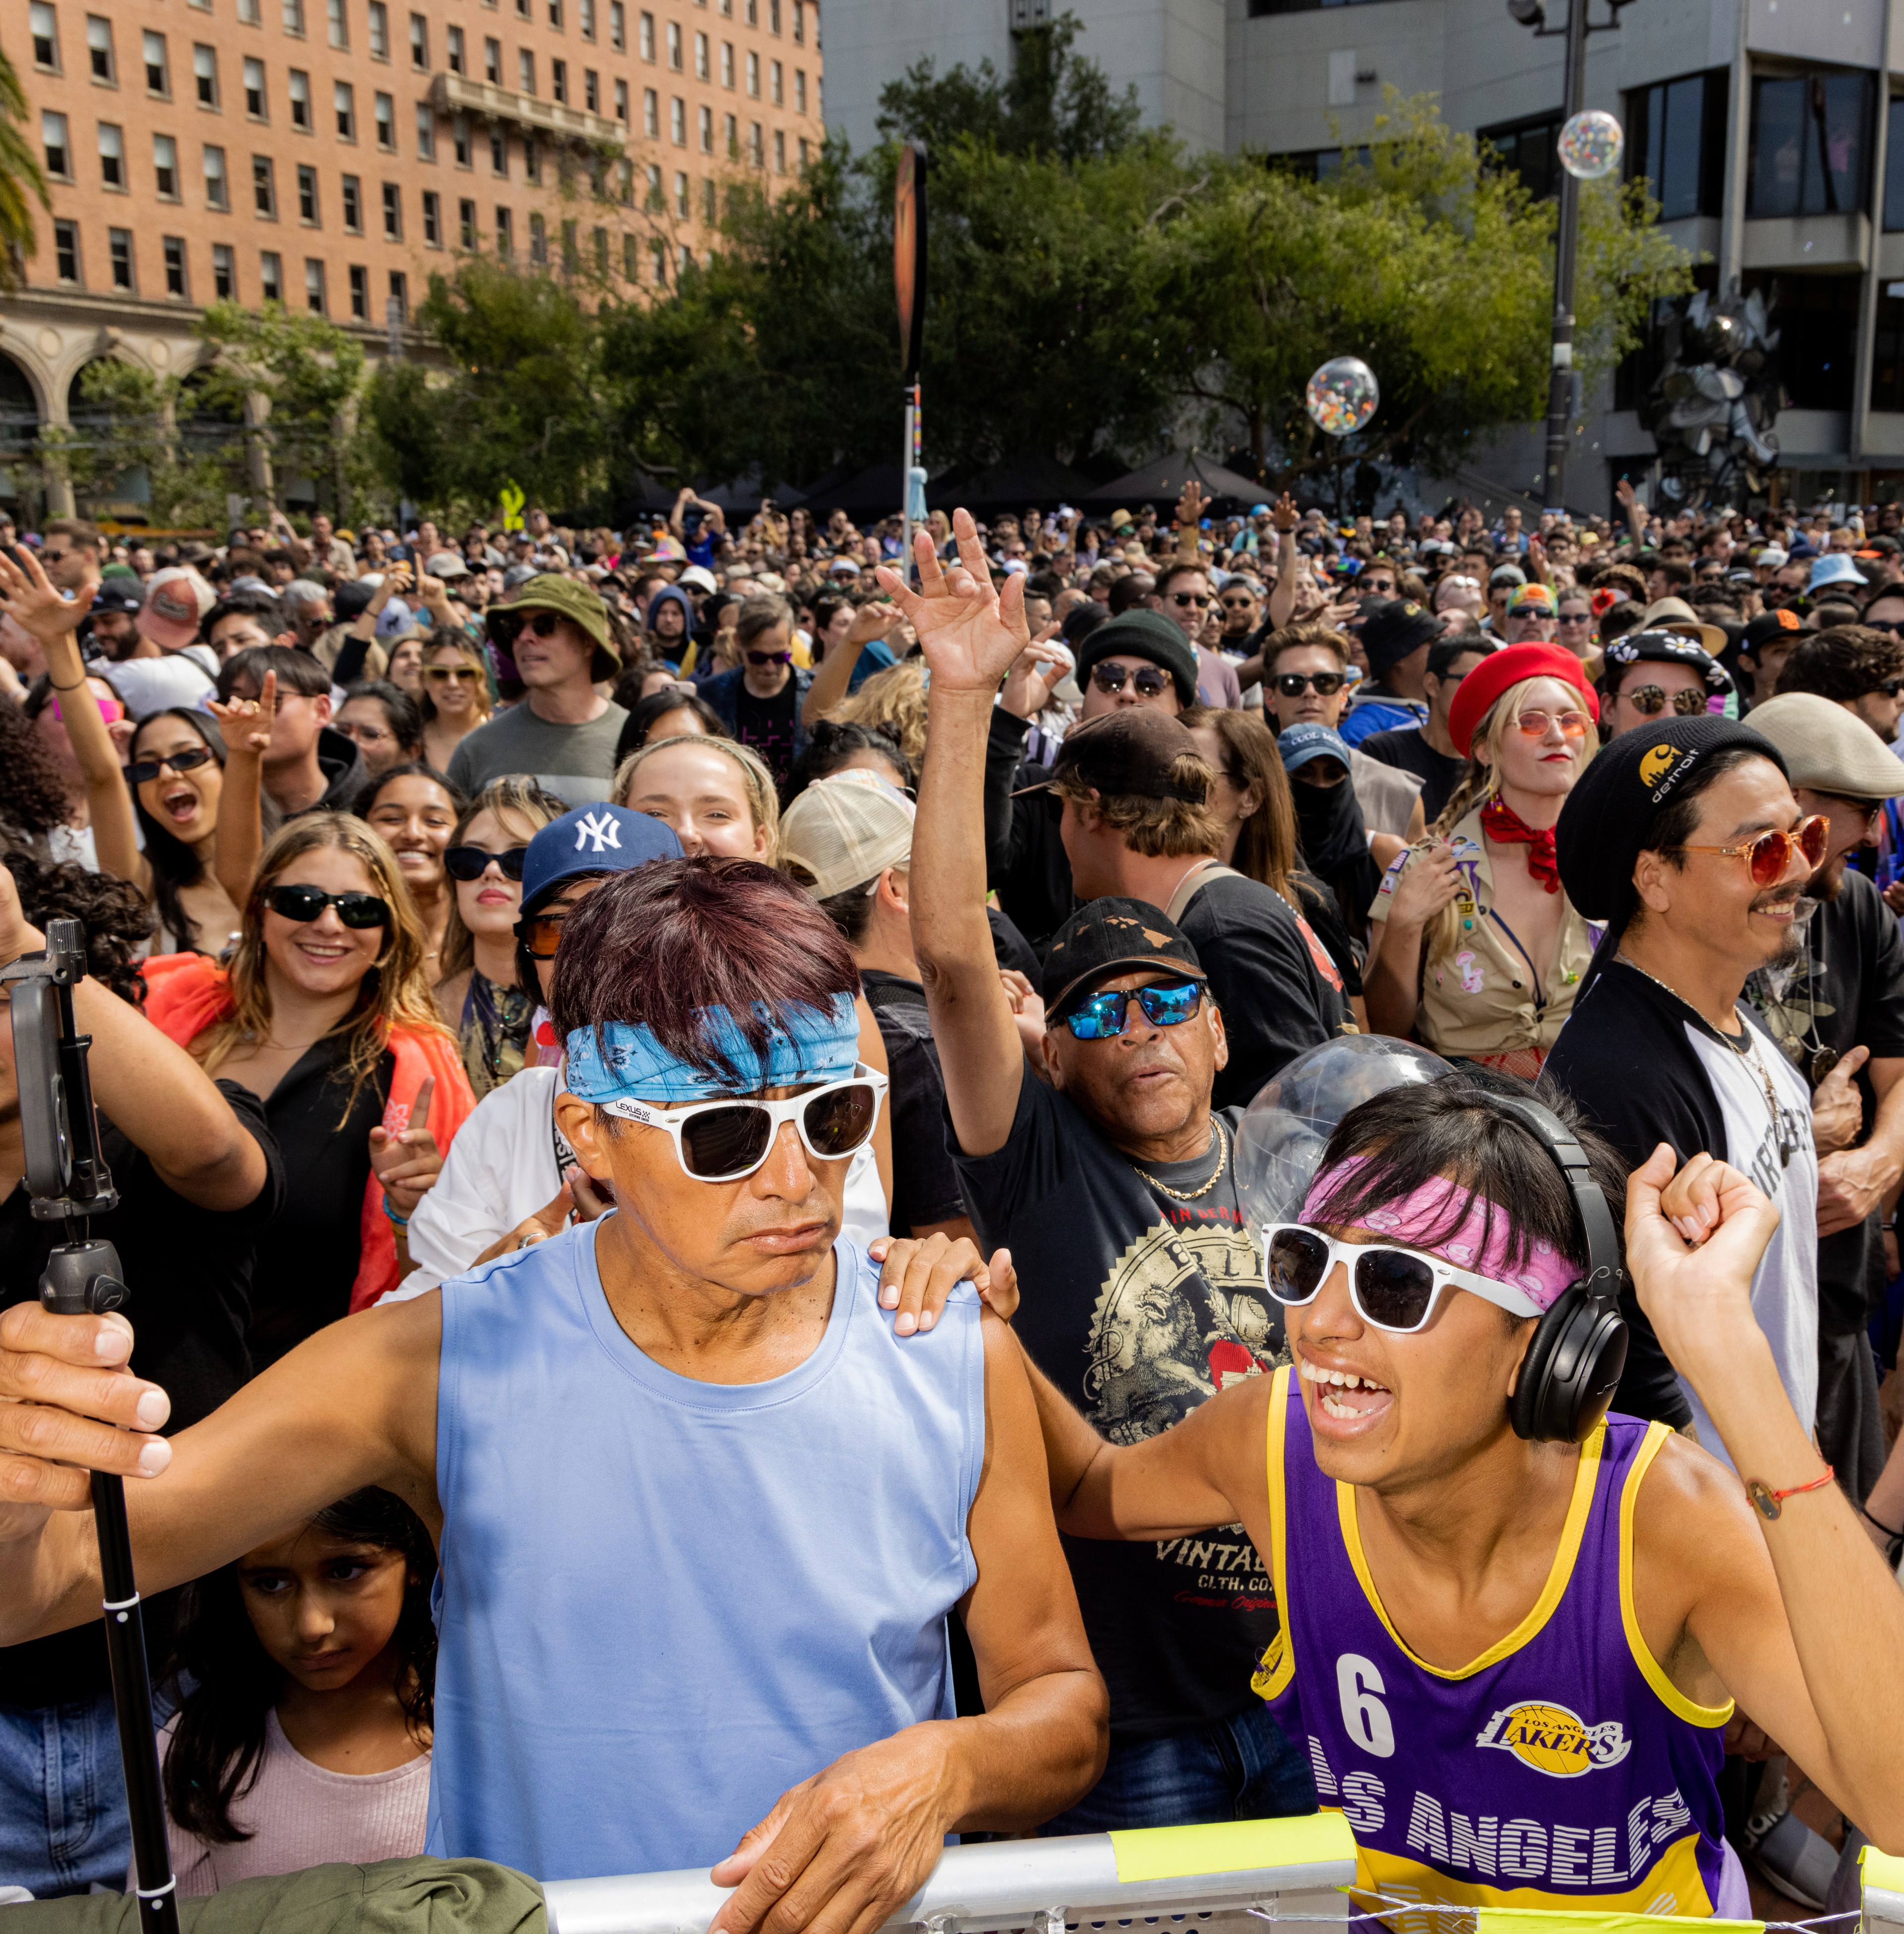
1573,1366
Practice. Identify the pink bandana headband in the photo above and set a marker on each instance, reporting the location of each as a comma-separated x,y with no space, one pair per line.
1543,1276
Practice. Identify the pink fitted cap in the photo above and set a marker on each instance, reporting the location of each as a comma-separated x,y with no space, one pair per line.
176,601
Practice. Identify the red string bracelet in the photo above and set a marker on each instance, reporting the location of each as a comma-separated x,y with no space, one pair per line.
1770,1502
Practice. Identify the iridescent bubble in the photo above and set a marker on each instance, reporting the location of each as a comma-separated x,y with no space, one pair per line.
1342,395
1590,145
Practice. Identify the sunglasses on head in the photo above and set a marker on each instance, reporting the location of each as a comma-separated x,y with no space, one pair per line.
1535,720
189,759
1147,681
307,903
1770,855
1391,1289
1324,684
725,1141
471,863
1168,1004
1649,700
441,674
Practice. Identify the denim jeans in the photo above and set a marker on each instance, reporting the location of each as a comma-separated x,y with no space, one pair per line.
1241,1769
63,1820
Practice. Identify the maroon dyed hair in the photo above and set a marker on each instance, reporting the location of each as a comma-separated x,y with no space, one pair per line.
655,945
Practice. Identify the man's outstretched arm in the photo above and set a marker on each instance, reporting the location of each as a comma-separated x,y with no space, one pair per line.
1819,1664
970,635
354,1404
842,1850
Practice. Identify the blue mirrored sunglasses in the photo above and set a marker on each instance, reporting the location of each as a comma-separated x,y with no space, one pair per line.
1104,1015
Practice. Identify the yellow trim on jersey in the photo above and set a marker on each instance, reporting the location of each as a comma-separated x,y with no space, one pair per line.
1673,1884
1551,1592
1278,1665
1668,1694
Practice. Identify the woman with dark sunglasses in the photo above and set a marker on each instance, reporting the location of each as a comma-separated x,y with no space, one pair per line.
325,1013
482,994
456,694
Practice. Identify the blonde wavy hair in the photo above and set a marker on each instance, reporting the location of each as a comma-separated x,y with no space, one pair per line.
892,701
1478,785
756,782
395,992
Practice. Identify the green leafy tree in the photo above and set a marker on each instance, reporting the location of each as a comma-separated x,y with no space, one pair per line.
521,396
1053,101
23,182
1435,269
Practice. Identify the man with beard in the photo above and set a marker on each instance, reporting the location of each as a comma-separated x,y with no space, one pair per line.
1685,842
1837,1011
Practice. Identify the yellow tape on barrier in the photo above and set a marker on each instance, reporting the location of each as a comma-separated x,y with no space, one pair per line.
1557,1920
1884,1870
1231,1846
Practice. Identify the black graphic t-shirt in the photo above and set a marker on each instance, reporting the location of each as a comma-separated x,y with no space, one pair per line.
1138,1307
767,726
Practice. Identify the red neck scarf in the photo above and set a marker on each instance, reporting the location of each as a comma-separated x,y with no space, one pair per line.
1506,827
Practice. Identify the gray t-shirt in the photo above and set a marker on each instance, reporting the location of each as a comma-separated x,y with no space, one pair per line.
576,763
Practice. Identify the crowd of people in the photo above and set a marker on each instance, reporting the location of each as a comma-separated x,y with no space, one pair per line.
742,1024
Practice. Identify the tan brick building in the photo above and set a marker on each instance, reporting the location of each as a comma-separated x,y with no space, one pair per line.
331,154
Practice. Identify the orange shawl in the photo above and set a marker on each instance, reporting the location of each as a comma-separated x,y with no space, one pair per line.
185,993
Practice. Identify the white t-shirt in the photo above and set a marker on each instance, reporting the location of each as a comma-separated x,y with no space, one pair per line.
1784,1294
504,1166
184,678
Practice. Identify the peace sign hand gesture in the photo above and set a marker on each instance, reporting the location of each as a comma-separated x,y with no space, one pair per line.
970,634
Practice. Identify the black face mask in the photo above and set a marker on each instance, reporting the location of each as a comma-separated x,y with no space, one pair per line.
1335,842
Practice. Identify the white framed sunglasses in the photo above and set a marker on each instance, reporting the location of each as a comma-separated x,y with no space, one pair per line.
727,1139
1392,1288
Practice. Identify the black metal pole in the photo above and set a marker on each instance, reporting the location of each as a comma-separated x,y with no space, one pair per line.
82,1278
1560,377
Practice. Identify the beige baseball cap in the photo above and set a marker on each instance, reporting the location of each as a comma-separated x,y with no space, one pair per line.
1828,748
846,830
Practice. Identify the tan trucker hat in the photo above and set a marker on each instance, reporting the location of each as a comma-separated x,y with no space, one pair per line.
846,830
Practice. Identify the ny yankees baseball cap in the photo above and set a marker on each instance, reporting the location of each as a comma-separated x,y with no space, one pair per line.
591,840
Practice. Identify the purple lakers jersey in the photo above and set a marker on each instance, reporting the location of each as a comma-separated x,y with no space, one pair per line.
1560,1768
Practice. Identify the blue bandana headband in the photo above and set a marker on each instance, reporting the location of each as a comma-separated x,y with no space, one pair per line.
802,1046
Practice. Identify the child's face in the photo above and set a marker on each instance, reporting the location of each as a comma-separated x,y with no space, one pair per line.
323,1607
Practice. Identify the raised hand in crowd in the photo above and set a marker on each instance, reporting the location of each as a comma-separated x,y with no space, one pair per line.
408,1163
246,724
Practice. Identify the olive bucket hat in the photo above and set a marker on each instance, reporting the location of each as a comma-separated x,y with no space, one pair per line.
580,603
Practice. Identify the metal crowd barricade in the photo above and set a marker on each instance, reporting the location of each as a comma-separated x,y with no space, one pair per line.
1212,1877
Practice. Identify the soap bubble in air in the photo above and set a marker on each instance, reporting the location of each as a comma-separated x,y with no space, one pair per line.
1342,395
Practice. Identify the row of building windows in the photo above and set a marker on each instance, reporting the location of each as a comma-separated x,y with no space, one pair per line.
121,264
102,53
115,169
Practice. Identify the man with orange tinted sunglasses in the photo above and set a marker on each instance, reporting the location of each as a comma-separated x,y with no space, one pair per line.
1684,838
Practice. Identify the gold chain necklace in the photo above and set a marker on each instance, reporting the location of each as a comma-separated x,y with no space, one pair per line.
1191,1195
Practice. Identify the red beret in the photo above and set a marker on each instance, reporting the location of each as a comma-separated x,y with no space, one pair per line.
1514,666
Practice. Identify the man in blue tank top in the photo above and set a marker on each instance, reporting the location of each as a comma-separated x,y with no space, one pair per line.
703,1515
1510,1657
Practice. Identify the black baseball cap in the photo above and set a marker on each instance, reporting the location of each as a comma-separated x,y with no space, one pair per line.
1132,751
1391,630
1777,626
1111,936
118,593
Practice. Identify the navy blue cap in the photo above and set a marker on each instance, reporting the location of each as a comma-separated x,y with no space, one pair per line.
118,593
1299,744
592,839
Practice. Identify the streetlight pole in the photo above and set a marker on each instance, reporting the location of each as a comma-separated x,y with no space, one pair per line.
1560,376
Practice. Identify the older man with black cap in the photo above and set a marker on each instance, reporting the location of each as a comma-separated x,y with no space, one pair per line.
1396,635
1649,673
1837,1011
1114,1185
1686,843
1138,660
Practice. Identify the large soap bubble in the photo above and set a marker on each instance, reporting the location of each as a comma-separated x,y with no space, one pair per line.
1342,395
1590,145
1280,1141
